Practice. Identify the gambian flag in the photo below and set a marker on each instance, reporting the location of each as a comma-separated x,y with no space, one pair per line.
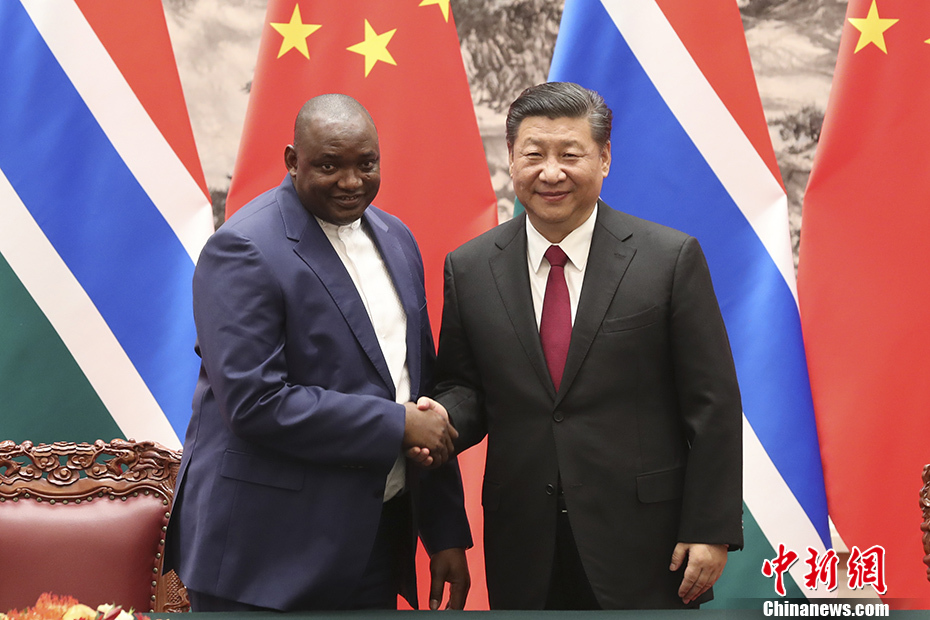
401,59
103,210
691,150
865,288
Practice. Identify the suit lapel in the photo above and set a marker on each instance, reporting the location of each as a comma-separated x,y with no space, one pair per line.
512,278
608,260
398,266
315,249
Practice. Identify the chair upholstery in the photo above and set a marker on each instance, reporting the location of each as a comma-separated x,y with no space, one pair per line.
87,521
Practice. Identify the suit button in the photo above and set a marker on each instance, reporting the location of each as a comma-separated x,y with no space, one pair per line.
558,416
550,489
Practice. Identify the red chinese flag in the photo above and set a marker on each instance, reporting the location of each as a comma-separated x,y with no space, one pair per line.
864,287
401,60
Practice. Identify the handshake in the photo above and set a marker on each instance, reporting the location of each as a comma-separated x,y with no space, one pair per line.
428,434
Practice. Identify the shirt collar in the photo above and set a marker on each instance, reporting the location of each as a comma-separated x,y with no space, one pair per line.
576,244
334,230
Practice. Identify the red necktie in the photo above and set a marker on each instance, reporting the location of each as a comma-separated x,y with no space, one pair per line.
555,326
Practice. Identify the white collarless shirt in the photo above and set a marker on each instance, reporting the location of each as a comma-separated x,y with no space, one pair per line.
361,258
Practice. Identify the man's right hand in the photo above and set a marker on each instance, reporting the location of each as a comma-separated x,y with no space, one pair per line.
428,435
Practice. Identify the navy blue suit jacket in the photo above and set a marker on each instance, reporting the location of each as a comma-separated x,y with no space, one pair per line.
294,425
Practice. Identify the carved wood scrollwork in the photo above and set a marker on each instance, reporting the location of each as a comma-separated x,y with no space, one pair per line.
65,470
925,508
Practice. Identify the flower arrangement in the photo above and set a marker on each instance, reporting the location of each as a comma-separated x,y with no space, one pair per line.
51,607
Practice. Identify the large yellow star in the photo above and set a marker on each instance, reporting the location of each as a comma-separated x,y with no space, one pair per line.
374,47
295,33
872,29
443,4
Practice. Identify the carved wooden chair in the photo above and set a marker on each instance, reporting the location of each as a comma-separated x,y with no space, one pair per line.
87,521
925,508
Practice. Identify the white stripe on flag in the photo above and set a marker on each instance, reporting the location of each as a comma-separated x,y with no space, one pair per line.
79,324
776,510
709,124
121,116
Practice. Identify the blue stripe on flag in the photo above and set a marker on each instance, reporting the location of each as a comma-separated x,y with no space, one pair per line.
658,173
94,212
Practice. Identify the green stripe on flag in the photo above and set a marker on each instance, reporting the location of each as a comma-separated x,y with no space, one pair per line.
742,585
44,395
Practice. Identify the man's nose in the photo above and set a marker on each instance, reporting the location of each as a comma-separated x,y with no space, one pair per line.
350,179
552,171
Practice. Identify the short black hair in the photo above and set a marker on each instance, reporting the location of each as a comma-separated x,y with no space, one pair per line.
561,100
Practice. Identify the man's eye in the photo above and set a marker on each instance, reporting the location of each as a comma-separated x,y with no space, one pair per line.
367,166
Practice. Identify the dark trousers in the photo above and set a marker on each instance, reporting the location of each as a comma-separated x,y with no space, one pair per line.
569,588
379,584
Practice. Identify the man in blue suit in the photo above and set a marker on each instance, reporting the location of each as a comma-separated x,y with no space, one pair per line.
294,492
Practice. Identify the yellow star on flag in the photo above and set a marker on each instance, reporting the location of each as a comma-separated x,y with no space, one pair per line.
443,5
295,33
374,47
872,29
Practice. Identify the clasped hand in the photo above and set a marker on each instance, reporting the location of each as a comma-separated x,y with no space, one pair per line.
428,434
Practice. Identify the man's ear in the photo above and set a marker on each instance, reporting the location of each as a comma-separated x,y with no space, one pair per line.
605,158
290,159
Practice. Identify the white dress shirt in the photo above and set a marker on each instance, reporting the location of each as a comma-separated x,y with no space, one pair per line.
373,282
576,245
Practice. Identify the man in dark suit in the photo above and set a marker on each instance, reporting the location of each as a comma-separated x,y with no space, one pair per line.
293,492
601,374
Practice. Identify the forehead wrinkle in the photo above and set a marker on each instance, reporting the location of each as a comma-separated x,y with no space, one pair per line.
534,141
535,133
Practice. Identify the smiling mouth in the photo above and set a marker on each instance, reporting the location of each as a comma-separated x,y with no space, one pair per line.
348,200
552,196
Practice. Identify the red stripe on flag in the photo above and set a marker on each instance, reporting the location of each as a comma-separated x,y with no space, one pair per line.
135,34
724,60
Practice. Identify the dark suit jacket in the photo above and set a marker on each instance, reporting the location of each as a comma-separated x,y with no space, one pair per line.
294,425
645,430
